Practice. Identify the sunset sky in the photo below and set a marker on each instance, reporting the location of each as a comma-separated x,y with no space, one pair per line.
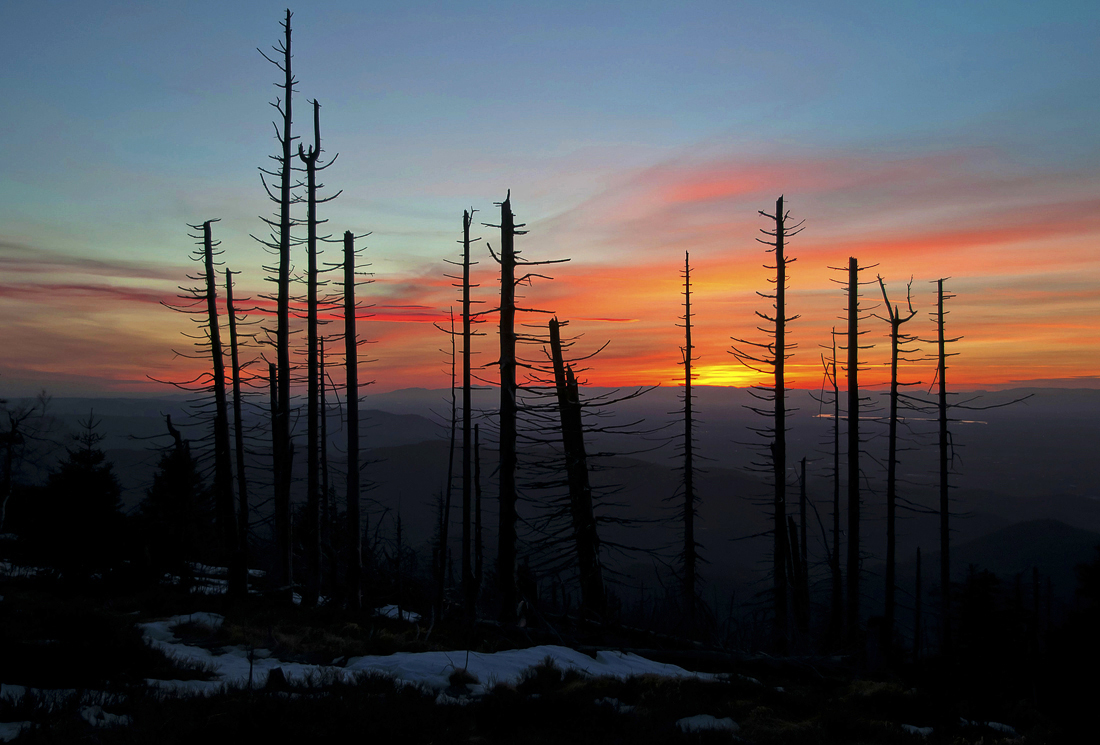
934,139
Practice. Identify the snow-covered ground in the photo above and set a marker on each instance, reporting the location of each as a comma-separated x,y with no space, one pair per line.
431,670
707,723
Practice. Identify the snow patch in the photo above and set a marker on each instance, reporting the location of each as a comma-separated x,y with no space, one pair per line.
391,611
51,697
444,699
97,717
11,730
7,569
707,723
429,670
616,704
14,692
914,730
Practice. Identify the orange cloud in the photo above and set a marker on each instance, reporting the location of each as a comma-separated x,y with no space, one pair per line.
1019,246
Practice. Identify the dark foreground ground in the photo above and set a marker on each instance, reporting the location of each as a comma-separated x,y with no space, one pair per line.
86,641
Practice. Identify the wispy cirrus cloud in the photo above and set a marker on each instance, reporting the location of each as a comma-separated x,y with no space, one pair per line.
54,293
1018,244
21,258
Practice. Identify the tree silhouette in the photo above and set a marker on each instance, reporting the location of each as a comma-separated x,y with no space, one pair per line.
586,539
470,582
351,364
836,588
241,563
940,316
689,552
442,551
87,518
470,585
918,600
26,425
509,260
176,514
228,536
897,340
279,243
852,370
479,555
312,537
201,303
770,358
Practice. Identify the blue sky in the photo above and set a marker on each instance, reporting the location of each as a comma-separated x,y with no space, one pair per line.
124,121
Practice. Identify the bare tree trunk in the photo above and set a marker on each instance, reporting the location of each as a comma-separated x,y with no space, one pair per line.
9,438
329,533
853,450
803,554
351,361
223,470
917,614
312,537
506,551
397,564
774,354
585,536
273,400
895,319
445,518
469,588
836,618
797,570
283,460
802,548
779,446
690,568
238,433
479,553
891,488
945,528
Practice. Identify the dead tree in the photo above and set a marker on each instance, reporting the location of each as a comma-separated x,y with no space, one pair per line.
853,449
942,341
917,599
312,537
946,455
897,340
238,431
469,586
279,243
508,496
328,504
803,551
770,359
445,502
586,539
273,404
469,319
351,362
797,574
836,594
690,545
223,470
506,548
802,586
854,444
478,547
201,304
